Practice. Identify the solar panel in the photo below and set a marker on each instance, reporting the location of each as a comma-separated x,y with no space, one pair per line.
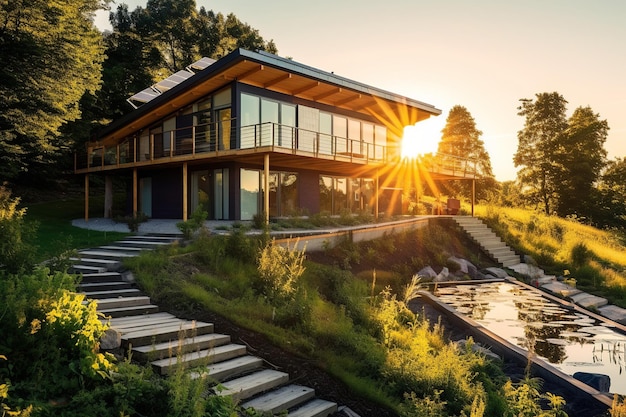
200,64
143,96
173,80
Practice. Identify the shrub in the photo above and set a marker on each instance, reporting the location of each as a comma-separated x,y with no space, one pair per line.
191,226
280,270
134,221
16,251
580,254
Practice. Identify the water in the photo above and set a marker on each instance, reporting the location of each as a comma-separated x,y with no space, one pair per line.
568,340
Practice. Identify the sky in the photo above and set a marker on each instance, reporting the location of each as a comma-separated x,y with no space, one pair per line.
484,55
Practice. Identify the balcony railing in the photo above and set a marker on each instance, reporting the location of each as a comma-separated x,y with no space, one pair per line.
215,139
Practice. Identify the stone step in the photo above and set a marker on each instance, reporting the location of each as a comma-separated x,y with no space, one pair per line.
143,244
96,295
102,277
106,254
108,303
104,286
500,251
509,261
174,347
203,357
121,321
257,382
281,399
107,264
146,322
86,269
130,311
154,238
228,369
164,333
124,249
315,408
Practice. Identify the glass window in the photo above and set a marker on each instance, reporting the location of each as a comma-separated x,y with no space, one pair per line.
222,98
340,195
380,141
287,124
354,136
326,131
273,193
250,118
223,128
367,134
205,141
269,120
288,193
340,133
308,125
326,194
220,189
250,180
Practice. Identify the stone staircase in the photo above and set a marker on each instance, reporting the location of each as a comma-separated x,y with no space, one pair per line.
488,240
168,342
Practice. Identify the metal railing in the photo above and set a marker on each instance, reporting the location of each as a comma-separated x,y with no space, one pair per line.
223,136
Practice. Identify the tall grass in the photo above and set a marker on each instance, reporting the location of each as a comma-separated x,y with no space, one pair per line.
596,258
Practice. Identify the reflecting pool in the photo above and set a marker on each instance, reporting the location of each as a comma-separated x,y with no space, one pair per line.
568,340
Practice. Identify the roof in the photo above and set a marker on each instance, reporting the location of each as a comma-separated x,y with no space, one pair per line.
273,73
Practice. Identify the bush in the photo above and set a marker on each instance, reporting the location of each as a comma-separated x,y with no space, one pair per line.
133,222
16,251
280,269
191,226
580,254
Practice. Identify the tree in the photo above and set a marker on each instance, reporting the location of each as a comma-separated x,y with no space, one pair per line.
51,55
610,196
538,146
460,140
581,157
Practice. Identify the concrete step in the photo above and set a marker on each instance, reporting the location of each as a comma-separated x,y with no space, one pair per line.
315,408
247,386
108,303
174,347
123,249
155,238
164,333
102,277
107,264
148,321
86,269
143,244
96,295
500,251
104,286
281,399
509,261
106,254
203,357
228,369
130,311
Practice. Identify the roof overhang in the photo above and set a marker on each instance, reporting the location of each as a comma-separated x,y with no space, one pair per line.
280,75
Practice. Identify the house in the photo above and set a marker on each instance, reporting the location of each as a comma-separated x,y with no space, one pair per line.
255,134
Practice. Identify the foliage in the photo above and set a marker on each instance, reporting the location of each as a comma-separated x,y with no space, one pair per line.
51,55
610,196
51,336
16,251
544,127
618,407
133,221
524,400
191,226
460,138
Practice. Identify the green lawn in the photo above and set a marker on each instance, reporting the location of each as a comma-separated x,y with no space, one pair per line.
56,233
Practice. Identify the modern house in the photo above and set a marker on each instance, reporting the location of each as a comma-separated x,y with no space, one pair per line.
257,134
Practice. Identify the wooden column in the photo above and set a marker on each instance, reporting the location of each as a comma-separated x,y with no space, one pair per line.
473,194
266,187
135,192
86,197
185,191
376,199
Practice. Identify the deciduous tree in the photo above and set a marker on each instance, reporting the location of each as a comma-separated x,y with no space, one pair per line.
538,146
51,55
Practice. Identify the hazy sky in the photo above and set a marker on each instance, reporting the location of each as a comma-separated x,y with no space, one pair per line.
481,54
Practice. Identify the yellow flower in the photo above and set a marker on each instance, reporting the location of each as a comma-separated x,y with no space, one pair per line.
35,326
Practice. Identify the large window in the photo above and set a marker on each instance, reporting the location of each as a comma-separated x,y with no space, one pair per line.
250,180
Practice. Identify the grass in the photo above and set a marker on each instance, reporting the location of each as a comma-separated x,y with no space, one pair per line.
55,233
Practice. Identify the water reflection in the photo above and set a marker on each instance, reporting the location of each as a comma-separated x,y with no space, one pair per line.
569,340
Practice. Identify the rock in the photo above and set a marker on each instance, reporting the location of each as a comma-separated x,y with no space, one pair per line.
477,348
600,382
427,273
111,339
614,313
560,289
443,276
529,260
496,272
588,300
462,263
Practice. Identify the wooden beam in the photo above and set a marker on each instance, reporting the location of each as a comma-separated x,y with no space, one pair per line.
305,88
277,80
266,188
327,94
250,72
348,100
86,197
134,192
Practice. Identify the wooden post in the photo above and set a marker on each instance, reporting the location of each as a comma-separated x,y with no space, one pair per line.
108,197
184,191
86,197
266,187
473,194
376,199
134,192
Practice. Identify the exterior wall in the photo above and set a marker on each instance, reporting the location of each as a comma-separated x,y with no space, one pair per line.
309,191
167,193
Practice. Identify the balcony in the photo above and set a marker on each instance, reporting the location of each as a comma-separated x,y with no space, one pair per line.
222,139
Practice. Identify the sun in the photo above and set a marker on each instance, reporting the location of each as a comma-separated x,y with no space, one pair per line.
421,138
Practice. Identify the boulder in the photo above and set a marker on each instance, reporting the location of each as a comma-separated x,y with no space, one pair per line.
462,263
427,273
600,382
496,272
443,276
111,339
